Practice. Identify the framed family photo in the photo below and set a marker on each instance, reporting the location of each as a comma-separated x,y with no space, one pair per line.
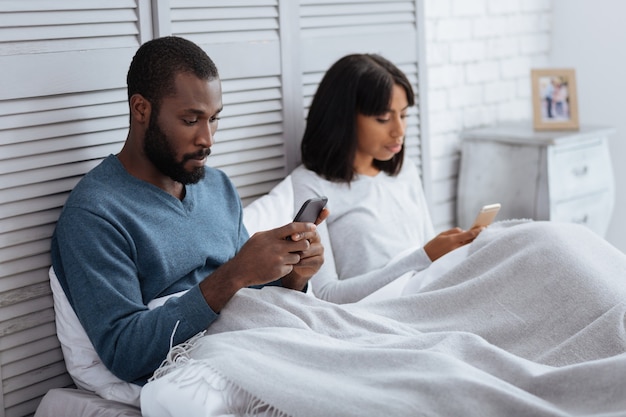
555,104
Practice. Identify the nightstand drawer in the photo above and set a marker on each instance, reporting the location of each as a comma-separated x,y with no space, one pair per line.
579,170
592,211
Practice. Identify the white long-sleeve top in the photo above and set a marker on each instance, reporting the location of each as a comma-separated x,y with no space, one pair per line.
375,232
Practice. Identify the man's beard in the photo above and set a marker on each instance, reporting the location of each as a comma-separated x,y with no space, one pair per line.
159,151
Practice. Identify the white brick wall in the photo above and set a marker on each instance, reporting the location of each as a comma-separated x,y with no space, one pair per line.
479,54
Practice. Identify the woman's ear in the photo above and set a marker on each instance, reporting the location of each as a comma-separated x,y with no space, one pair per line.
140,108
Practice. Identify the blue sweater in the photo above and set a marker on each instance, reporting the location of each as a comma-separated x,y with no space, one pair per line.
120,242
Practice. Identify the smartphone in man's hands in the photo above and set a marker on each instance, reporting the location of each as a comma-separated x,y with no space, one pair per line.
486,215
311,209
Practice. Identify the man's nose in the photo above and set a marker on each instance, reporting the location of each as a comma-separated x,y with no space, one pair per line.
205,135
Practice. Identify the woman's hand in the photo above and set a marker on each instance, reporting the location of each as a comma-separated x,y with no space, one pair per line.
449,240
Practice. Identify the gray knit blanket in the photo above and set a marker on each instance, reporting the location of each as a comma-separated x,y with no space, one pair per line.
531,323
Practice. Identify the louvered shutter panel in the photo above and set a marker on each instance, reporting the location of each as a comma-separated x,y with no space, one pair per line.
62,109
330,30
242,38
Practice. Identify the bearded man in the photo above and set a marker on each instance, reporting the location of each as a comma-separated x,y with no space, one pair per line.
154,220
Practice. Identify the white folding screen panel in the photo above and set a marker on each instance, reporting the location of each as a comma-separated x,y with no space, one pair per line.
243,39
62,109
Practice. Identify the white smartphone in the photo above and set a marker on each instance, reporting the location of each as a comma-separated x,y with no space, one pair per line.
486,215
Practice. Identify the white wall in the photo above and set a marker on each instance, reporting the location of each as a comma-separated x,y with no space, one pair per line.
479,55
590,36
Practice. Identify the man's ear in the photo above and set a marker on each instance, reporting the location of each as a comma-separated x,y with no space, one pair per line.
140,108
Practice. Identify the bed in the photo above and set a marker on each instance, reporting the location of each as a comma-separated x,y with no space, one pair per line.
527,320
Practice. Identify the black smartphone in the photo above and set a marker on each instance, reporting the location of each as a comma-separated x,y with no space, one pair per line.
311,209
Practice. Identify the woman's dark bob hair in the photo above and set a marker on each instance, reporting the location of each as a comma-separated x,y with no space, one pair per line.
356,84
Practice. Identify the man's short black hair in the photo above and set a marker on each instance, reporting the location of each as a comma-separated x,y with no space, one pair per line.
157,61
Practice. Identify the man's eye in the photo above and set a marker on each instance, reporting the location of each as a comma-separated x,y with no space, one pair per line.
214,119
190,122
381,120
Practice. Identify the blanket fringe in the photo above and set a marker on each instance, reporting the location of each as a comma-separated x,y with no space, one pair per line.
176,356
201,375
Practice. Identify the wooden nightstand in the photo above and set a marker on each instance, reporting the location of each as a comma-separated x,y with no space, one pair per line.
559,176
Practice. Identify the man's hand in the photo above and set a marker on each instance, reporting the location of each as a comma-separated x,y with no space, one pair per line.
266,257
311,259
269,255
449,240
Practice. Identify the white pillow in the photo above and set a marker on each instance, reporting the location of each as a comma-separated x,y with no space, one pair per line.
81,360
83,363
272,210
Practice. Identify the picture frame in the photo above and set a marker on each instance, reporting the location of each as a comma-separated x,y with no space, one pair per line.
555,99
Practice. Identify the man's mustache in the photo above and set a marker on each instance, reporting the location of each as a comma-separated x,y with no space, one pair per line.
198,155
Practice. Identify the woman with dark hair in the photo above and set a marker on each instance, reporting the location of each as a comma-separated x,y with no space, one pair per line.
353,152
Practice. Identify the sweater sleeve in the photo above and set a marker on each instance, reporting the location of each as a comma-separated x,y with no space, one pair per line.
130,339
327,285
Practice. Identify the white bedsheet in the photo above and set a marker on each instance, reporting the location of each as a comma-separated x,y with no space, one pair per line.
68,402
531,322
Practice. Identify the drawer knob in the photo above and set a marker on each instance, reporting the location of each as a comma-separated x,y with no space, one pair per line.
580,171
581,220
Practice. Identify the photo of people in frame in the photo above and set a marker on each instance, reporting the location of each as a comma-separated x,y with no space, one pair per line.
554,99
